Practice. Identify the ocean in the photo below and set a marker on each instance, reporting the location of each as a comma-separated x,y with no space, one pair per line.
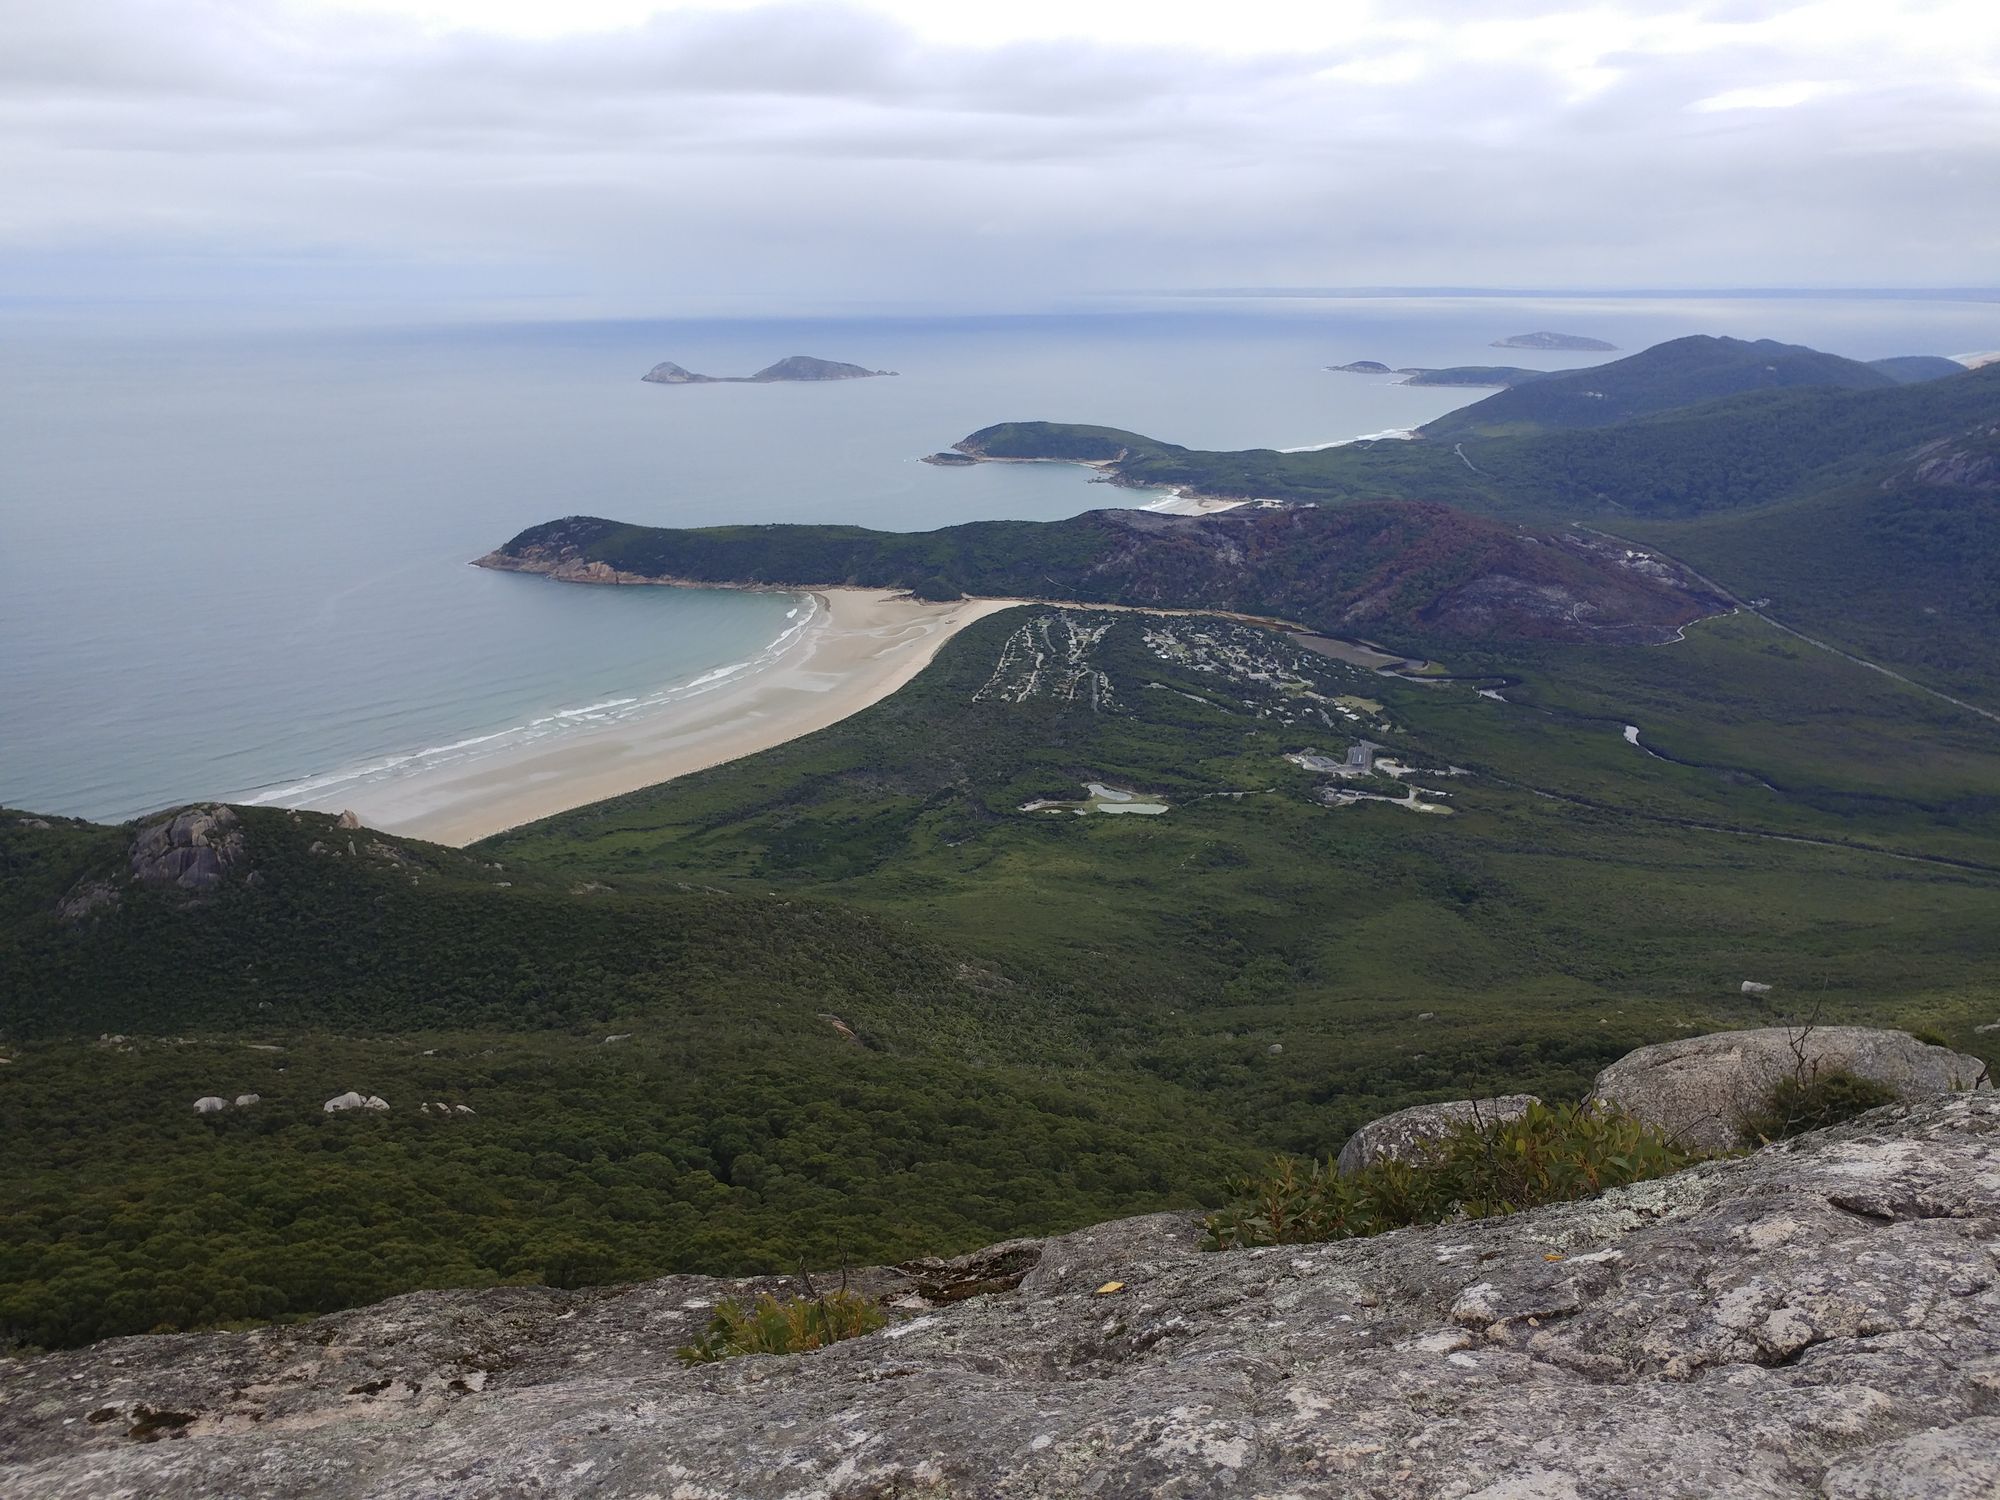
233,556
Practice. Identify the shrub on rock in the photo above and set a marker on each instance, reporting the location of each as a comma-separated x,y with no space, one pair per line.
769,1326
1475,1170
1796,1105
1411,1134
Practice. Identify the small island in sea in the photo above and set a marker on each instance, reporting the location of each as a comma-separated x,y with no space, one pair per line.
794,367
1553,341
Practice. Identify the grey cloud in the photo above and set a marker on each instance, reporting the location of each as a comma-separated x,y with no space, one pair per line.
687,151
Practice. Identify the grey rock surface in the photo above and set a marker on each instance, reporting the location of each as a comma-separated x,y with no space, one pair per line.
1969,462
1408,1133
1818,1319
86,899
1945,1463
191,851
1698,1090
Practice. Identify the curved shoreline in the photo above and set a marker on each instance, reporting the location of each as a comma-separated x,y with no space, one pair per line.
861,646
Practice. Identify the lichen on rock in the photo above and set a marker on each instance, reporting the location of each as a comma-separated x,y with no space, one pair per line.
1406,1134
1699,1091
1819,1318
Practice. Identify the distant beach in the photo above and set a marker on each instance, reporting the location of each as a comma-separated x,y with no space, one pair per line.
859,646
350,647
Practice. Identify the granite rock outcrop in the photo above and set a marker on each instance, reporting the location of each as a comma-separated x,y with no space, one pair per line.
1821,1318
1405,1135
1699,1091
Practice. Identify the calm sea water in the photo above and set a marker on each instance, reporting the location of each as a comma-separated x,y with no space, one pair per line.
233,559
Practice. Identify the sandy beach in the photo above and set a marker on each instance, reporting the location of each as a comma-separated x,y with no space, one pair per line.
862,645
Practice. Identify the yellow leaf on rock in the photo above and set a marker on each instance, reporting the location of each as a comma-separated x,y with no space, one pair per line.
1109,1287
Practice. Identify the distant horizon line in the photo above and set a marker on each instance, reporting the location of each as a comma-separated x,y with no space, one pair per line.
1915,293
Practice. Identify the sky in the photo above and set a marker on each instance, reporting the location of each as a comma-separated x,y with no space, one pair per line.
658,156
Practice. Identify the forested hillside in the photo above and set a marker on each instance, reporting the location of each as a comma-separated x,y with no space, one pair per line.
1402,569
1810,497
1084,921
1682,372
894,988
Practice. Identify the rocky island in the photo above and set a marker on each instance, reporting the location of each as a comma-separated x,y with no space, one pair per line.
793,367
1554,341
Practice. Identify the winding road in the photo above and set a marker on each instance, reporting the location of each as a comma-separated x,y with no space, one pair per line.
1748,608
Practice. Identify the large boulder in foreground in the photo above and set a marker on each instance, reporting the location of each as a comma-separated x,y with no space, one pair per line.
1821,1318
1699,1090
1408,1134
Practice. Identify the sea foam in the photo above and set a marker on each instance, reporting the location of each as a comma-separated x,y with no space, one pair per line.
552,726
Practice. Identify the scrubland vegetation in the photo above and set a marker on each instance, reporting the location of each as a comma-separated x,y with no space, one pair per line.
845,1002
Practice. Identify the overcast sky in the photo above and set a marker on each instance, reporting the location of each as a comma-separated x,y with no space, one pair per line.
655,156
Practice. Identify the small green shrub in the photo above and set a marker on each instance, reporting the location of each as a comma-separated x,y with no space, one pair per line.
1812,1102
769,1326
1548,1155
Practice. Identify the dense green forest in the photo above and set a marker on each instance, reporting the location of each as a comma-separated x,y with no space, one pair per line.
893,988
1679,373
1869,517
866,1007
1753,449
1866,517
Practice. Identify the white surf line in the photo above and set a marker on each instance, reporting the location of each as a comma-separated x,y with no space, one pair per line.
1387,435
1747,608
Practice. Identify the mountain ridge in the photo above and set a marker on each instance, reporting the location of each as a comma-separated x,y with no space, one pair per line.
1781,492
1393,565
1681,372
